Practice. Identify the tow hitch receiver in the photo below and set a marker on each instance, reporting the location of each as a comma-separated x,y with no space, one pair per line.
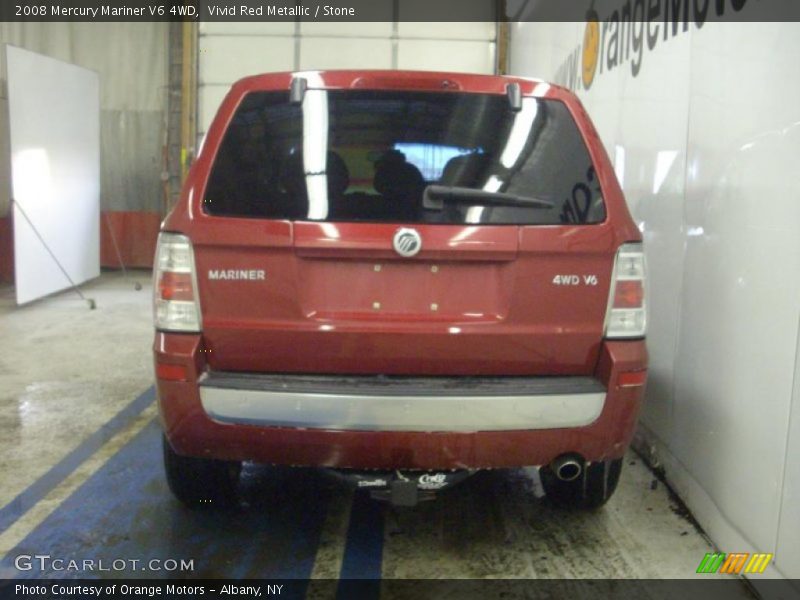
403,492
402,489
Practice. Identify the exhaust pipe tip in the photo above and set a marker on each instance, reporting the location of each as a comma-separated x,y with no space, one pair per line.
567,467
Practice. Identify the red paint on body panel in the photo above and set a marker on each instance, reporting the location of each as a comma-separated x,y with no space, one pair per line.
336,298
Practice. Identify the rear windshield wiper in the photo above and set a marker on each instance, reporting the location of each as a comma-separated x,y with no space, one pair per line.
436,196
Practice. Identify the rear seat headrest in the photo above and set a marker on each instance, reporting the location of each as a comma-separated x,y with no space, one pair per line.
395,177
466,170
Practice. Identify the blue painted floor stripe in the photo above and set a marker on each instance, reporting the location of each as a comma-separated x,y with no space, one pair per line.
42,486
287,508
363,553
125,511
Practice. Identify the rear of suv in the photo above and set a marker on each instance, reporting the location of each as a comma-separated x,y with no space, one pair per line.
404,277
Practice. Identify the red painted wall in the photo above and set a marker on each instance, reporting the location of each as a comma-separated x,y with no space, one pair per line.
135,233
6,249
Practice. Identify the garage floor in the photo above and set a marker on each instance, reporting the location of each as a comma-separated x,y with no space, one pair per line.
81,470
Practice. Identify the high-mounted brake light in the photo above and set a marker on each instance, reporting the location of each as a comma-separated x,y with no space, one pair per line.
626,316
176,306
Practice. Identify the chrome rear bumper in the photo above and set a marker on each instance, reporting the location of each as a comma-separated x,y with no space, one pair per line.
372,403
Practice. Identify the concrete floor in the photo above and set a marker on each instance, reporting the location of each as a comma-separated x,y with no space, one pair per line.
81,475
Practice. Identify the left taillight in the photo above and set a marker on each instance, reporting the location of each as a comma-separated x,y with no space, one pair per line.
176,305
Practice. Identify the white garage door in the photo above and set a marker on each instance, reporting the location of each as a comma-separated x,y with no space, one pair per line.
229,51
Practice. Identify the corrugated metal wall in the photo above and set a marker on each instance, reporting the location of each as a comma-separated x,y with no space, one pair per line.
131,60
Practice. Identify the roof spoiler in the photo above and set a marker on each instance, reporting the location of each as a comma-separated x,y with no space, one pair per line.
514,93
297,91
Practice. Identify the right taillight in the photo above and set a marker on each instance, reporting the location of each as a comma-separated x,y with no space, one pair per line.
176,305
626,316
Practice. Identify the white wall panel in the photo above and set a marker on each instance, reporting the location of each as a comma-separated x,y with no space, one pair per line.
454,30
54,110
353,29
741,289
787,549
451,55
130,56
239,52
709,133
224,58
285,28
532,47
343,53
208,100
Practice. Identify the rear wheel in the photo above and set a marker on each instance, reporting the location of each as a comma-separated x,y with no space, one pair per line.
201,482
592,489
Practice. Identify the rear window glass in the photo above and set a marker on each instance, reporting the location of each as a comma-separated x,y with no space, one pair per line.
379,156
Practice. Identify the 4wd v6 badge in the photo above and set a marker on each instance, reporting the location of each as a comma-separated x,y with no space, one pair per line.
575,280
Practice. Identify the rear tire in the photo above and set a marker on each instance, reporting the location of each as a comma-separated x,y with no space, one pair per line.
591,490
201,482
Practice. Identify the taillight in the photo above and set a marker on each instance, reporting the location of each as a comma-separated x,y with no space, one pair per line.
626,316
176,305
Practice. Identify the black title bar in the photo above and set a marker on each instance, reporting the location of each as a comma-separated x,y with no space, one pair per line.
391,10
419,589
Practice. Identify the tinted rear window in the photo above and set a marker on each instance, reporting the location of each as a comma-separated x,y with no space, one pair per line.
369,156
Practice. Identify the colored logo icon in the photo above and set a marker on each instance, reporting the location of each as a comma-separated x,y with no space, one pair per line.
734,563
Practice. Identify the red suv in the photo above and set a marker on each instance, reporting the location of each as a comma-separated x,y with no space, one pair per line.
402,276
